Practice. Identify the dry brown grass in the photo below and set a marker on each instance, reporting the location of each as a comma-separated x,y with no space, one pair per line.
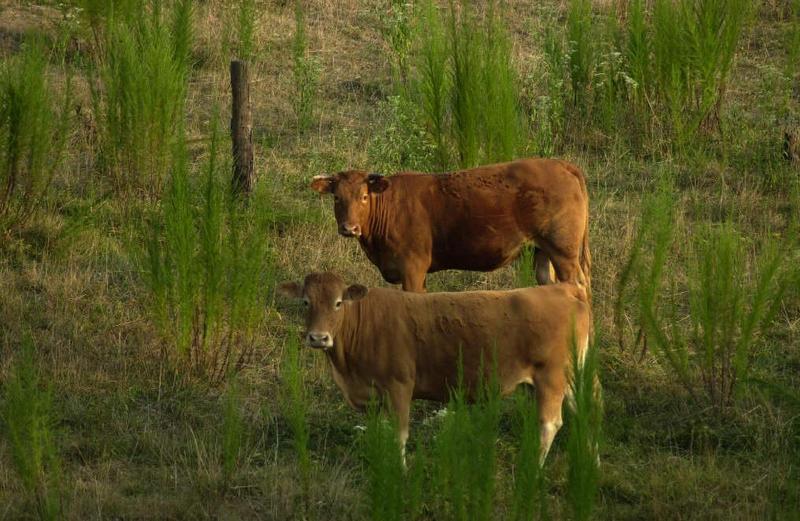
137,444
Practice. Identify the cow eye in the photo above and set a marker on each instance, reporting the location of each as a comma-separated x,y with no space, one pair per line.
338,304
364,198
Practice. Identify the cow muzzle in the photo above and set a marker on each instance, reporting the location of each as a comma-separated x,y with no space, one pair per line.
350,230
319,339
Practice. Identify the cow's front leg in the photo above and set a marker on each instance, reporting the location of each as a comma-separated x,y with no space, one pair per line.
400,400
415,270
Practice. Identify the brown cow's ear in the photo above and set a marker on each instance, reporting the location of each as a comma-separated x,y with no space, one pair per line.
377,183
355,292
290,289
322,184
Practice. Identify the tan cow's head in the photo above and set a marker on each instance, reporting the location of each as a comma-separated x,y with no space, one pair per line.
352,197
325,296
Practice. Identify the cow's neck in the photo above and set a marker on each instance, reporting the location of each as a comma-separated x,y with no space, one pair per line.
379,217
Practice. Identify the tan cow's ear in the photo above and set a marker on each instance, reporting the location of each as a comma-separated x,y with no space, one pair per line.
377,183
290,289
322,184
355,292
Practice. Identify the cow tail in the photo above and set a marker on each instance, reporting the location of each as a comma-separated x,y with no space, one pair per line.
585,255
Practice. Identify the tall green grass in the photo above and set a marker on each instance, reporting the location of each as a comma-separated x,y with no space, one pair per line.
465,486
206,266
663,72
142,69
306,72
245,29
705,332
585,421
33,134
295,409
384,465
28,424
464,80
529,495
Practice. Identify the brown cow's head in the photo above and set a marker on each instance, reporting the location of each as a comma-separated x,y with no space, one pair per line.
352,197
325,295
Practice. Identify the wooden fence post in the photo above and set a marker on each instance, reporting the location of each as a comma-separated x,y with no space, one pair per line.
241,129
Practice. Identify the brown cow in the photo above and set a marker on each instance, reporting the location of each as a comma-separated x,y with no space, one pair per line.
412,224
406,345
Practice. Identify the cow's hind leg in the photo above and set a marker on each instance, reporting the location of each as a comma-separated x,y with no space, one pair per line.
543,267
550,385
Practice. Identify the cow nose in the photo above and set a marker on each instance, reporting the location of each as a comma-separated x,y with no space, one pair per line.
350,230
319,339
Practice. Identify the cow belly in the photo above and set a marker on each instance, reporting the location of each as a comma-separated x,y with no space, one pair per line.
481,257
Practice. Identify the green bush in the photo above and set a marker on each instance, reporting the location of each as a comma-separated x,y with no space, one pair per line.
32,134
143,70
27,413
306,72
206,267
706,333
465,486
585,421
384,465
529,495
463,79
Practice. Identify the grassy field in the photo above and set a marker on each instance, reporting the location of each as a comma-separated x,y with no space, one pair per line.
149,371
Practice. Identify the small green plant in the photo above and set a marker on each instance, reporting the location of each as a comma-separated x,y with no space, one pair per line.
708,339
306,71
585,421
464,81
399,33
206,267
32,134
384,462
27,413
295,408
245,28
581,50
143,70
529,492
467,484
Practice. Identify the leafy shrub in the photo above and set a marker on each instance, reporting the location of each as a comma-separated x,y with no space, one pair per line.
32,134
206,267
306,72
143,69
705,336
27,413
585,421
463,79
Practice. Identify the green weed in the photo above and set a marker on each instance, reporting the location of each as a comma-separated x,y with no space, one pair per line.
585,421
529,495
724,312
384,466
32,134
206,268
28,421
306,72
143,70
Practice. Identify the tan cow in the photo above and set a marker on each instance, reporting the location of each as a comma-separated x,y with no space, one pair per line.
412,224
406,345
